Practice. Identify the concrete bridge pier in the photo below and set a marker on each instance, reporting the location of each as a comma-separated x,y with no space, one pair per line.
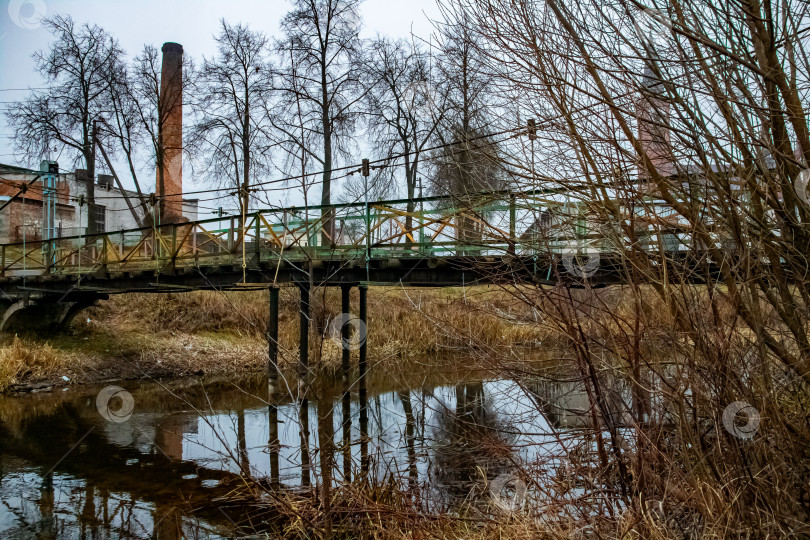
41,315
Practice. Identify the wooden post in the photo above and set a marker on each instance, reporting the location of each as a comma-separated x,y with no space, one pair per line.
303,328
303,367
364,463
273,443
326,452
303,419
172,262
258,239
364,342
345,367
421,227
272,385
272,344
345,305
230,237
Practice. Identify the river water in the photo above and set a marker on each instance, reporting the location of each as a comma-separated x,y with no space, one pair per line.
160,459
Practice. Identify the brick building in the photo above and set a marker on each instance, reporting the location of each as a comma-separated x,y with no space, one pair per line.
24,217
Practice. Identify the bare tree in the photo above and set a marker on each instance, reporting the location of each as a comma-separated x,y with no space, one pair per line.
467,164
139,112
404,108
125,124
319,82
232,88
680,129
80,66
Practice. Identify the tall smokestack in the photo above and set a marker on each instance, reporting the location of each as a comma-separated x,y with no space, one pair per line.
652,114
170,187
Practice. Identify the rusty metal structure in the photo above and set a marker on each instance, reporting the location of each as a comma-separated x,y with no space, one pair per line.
283,245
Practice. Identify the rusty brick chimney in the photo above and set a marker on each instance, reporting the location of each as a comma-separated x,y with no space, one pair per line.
170,187
652,113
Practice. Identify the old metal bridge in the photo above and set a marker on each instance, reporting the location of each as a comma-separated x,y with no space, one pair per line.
432,241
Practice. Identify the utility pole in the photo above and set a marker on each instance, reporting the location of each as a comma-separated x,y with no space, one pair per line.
51,172
365,170
90,186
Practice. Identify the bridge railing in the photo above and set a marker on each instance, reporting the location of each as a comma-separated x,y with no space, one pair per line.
479,224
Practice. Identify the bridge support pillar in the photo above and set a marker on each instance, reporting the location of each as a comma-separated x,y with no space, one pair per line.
272,345
361,386
40,316
303,390
272,386
303,328
345,364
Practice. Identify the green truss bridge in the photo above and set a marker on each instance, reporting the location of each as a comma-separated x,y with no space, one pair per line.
529,237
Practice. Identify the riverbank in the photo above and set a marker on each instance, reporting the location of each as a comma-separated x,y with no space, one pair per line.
206,440
422,346
208,332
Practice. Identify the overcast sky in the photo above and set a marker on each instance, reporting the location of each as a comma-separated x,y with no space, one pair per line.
188,22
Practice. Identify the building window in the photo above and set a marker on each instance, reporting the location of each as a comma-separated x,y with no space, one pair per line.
101,218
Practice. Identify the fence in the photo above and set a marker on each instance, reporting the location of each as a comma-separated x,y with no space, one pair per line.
485,224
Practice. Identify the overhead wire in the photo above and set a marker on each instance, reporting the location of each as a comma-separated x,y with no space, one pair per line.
352,168
22,191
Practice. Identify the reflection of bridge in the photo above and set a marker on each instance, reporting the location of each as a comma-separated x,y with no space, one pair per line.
152,463
431,241
177,460
74,441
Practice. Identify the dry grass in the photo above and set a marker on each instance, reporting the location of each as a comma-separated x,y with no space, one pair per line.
135,335
402,322
138,335
24,359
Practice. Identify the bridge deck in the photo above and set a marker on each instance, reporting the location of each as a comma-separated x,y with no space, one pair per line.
489,237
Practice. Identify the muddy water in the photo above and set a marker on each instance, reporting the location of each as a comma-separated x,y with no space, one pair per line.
160,458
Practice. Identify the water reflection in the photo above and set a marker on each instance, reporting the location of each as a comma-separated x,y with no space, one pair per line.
68,472
273,443
566,403
472,442
410,439
63,506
